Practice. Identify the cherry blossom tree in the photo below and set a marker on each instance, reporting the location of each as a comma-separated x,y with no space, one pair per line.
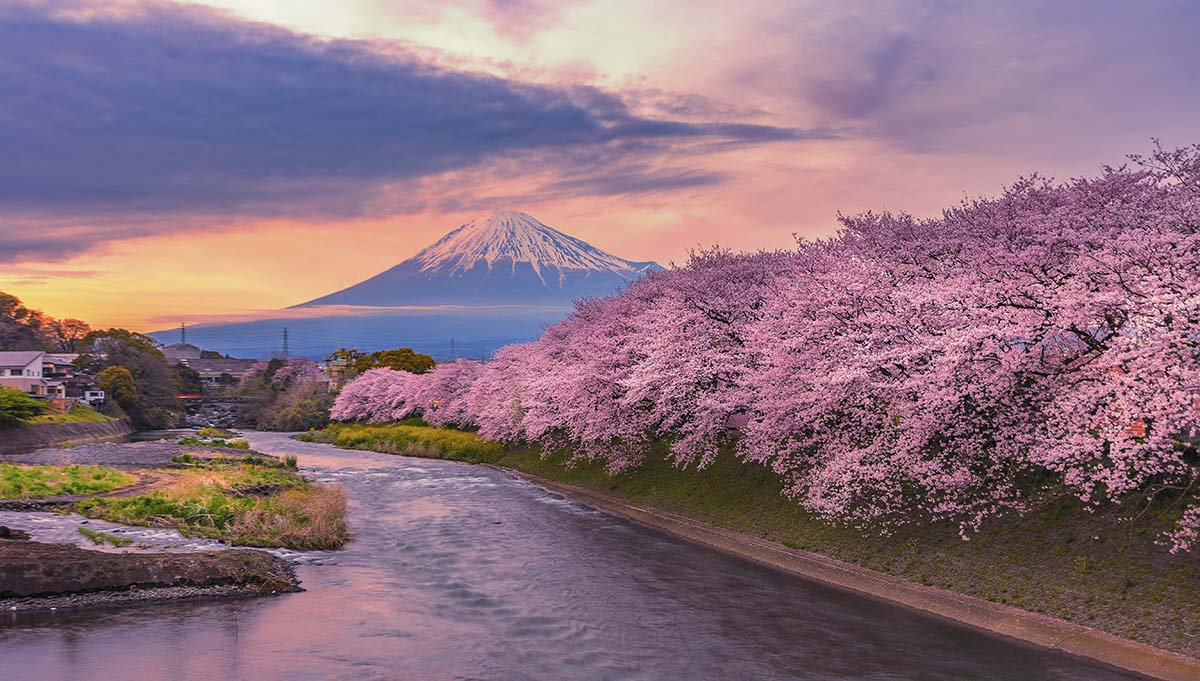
905,369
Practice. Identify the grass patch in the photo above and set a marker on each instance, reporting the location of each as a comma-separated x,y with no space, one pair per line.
231,443
1102,569
104,537
27,482
244,503
204,459
78,413
411,438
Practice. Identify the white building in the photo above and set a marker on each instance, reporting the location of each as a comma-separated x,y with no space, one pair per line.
23,371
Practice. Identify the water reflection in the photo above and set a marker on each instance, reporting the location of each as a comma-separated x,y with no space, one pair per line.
460,572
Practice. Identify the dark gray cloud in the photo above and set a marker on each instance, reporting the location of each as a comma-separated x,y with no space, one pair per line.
125,120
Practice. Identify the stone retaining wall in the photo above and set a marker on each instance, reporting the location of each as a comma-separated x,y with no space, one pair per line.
36,436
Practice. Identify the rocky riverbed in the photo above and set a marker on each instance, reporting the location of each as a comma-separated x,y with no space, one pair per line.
44,565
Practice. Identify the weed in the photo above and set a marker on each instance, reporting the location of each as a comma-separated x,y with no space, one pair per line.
102,537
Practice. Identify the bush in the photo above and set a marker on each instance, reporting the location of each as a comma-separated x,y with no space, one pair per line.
17,406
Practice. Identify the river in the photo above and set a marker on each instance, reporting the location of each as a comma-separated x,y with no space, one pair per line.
465,572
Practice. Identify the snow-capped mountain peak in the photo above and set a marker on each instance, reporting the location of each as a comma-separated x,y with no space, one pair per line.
508,238
507,257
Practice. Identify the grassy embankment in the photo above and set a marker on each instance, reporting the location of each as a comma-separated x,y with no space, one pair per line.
1101,569
29,482
247,501
78,413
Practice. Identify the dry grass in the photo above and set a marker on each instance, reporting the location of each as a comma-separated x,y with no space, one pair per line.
244,504
312,518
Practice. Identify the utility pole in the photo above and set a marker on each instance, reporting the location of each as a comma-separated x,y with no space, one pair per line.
451,349
285,342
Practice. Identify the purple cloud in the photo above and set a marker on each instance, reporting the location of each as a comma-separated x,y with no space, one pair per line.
119,120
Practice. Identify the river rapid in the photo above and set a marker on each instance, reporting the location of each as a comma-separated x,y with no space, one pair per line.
466,572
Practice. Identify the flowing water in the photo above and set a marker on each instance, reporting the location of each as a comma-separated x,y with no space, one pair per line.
464,572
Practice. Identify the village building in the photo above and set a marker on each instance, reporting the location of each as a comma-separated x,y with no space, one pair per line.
23,370
219,372
179,352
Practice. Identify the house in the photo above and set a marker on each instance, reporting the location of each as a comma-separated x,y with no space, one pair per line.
63,378
23,371
180,352
58,366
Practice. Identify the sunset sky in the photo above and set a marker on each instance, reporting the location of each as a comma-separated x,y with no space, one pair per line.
177,161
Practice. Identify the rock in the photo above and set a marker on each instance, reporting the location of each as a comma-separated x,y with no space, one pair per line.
30,568
11,534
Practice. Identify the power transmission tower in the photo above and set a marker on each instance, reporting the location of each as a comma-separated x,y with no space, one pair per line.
183,332
285,342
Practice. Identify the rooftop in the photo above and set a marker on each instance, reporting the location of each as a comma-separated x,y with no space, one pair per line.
20,359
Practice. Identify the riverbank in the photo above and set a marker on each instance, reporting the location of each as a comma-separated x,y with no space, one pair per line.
37,576
190,489
33,436
1097,571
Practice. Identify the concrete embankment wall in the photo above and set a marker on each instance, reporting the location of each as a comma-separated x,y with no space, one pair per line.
37,436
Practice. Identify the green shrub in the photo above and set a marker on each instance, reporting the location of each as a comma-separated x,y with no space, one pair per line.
17,406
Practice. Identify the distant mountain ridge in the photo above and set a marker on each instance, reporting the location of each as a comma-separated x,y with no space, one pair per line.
506,258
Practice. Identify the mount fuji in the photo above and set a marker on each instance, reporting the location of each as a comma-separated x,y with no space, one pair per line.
496,280
507,258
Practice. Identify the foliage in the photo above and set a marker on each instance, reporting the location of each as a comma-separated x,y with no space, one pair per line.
235,443
906,370
400,359
188,379
17,406
293,394
104,537
119,388
152,403
66,335
22,482
22,328
246,504
412,440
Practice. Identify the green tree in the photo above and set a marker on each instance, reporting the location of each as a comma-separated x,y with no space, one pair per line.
158,403
120,389
16,406
188,379
400,359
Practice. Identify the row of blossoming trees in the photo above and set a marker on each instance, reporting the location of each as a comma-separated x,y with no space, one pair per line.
943,368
